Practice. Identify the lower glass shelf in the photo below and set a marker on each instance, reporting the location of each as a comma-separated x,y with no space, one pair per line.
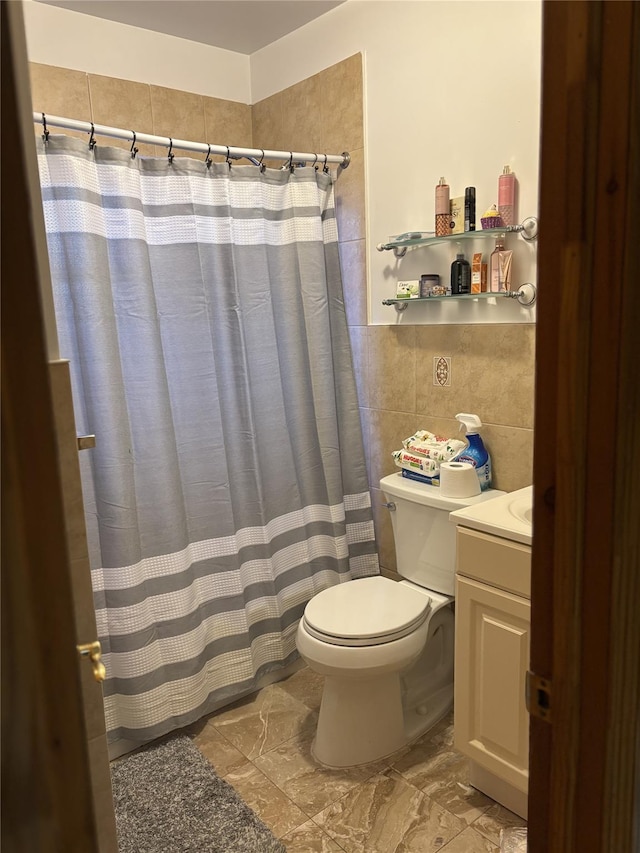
525,294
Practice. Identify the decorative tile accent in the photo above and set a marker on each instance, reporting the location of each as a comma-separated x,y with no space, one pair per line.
494,372
441,371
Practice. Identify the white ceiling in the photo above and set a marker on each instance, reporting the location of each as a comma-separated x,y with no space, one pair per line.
243,26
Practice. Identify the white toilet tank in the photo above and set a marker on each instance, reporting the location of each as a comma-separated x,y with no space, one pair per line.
425,539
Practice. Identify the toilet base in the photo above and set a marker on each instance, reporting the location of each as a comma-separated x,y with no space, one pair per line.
362,737
348,732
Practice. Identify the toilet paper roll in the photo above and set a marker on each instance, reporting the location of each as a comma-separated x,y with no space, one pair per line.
458,480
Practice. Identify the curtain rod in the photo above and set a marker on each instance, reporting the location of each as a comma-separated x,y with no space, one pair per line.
256,155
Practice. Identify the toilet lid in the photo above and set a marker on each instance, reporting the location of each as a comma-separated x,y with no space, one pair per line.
366,612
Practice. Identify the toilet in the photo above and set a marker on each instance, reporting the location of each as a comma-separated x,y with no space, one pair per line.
386,648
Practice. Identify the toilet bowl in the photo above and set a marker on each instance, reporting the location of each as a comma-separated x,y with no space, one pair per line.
386,648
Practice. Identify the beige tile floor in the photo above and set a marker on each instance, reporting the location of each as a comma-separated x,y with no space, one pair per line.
416,801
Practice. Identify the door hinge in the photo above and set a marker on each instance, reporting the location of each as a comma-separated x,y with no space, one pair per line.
538,696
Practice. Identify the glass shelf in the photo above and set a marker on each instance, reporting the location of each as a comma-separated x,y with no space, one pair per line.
525,294
399,243
513,294
428,238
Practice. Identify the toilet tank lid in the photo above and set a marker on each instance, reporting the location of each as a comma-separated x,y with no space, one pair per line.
397,486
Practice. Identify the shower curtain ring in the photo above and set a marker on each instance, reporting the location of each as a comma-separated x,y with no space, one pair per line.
261,163
45,133
92,141
324,168
228,158
207,159
291,162
134,150
170,155
314,162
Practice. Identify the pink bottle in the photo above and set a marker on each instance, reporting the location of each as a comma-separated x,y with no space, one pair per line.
507,196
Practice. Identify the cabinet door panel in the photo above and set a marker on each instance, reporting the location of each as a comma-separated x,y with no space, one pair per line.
492,657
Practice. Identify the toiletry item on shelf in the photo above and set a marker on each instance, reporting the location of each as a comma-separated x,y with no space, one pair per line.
475,453
507,196
460,276
456,225
470,209
494,267
442,209
505,259
430,285
491,218
478,274
407,289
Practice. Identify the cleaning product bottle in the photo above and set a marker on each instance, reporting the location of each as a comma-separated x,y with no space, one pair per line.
443,215
475,452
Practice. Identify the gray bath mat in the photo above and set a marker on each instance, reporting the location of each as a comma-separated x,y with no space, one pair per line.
168,799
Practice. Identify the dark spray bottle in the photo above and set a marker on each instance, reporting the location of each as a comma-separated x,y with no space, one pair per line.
470,209
460,276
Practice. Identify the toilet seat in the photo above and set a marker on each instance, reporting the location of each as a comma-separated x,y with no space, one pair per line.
367,612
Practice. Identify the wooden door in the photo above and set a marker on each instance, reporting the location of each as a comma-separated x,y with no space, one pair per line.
48,803
585,566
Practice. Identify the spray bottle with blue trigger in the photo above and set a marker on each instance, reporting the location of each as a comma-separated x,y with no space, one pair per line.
475,452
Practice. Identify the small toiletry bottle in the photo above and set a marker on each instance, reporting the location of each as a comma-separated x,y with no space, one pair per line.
494,267
470,209
442,209
507,196
460,276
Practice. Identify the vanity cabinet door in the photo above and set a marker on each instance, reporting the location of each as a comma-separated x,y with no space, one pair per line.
492,657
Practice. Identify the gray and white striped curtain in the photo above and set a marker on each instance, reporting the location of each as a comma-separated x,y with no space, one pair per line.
202,311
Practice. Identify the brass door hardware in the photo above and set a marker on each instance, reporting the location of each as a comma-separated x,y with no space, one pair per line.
94,652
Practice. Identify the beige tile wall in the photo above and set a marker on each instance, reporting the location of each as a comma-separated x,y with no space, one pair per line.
492,366
139,106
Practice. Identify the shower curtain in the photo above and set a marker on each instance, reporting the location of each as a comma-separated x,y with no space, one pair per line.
203,315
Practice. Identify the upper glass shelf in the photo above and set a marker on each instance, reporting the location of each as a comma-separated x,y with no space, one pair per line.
399,243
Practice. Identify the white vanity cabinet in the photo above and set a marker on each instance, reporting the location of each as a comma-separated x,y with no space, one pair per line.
491,660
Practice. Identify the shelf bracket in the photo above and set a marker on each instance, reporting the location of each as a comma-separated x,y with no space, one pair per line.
526,294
